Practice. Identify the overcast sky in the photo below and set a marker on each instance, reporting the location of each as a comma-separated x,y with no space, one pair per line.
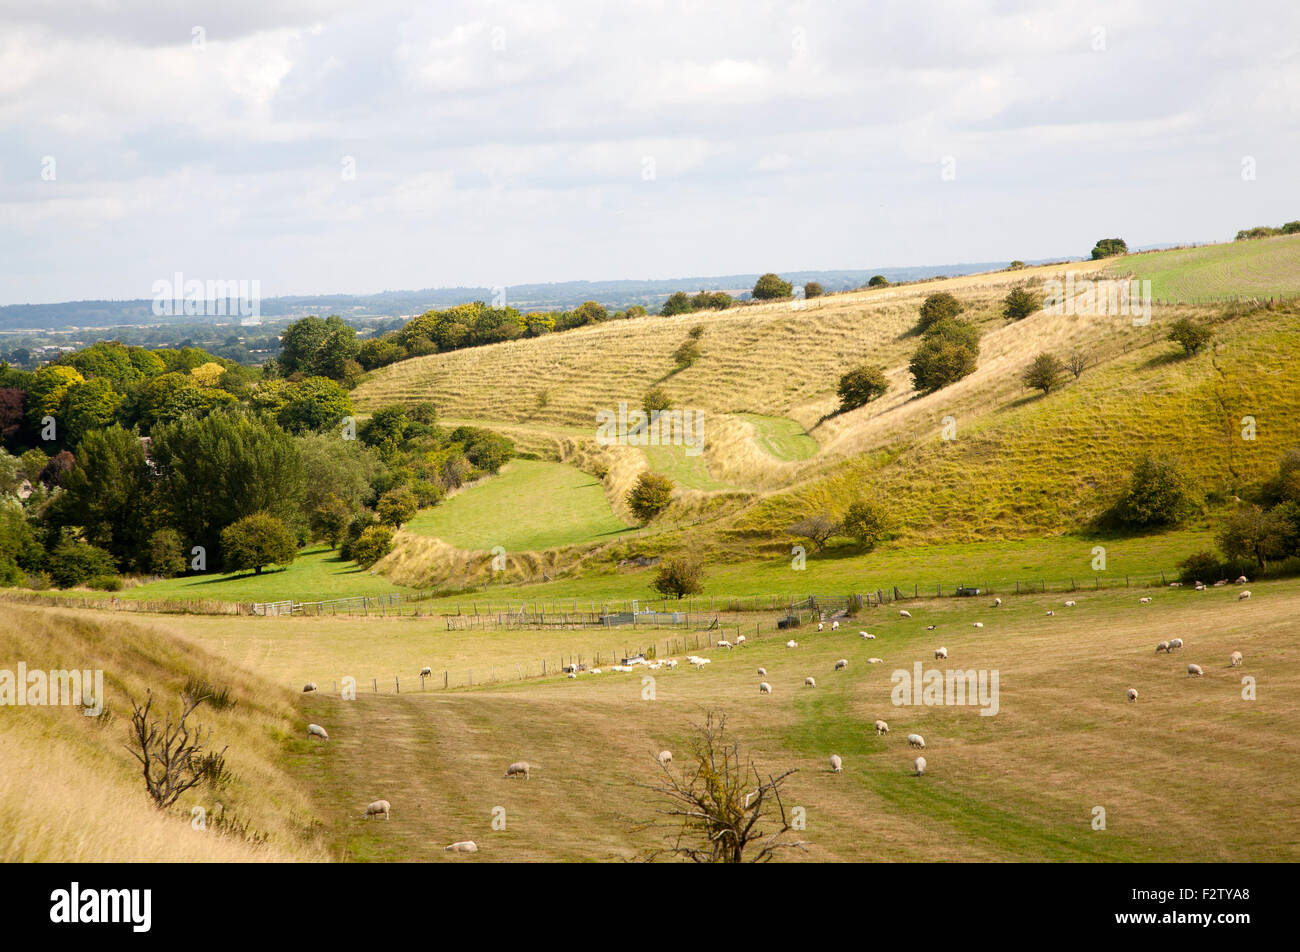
497,142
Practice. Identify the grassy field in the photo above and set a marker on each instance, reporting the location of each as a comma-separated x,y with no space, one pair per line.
1021,785
1265,267
70,791
531,505
782,438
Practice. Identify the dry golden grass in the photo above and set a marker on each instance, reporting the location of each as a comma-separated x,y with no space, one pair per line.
70,791
1191,772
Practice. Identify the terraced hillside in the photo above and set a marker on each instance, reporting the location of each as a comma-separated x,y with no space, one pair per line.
1263,267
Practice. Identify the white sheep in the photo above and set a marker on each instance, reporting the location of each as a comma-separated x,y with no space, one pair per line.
1194,671
569,668
309,687
915,740
881,728
1234,659
464,846
765,688
867,635
792,643
699,663
762,672
724,643
665,757
1200,586
1144,600
978,624
875,661
836,764
835,626
1050,613
919,764
997,602
841,664
1132,694
1220,583
740,640
315,730
376,808
940,654
904,613
670,664
1163,646
931,627
595,671
820,626
1243,595
1071,603
573,675
426,672
1175,643
520,768
1242,580
810,682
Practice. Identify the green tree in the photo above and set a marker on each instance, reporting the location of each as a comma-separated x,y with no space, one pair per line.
46,390
867,522
938,306
1158,493
650,496
256,541
679,302
818,528
217,469
164,554
1045,373
396,507
1019,304
678,577
770,287
335,352
75,563
656,400
315,403
1253,533
812,289
687,354
590,312
109,493
878,281
1109,247
329,520
344,468
371,545
948,352
89,406
1191,335
386,429
860,386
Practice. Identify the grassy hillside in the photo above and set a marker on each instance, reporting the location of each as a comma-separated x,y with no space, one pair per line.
71,792
1264,267
1020,785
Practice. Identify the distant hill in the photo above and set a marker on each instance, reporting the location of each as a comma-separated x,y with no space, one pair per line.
620,294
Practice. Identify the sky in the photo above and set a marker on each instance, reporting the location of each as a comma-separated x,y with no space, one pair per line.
319,146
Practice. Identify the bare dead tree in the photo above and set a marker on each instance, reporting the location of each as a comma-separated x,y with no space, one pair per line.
168,754
723,810
818,529
1077,364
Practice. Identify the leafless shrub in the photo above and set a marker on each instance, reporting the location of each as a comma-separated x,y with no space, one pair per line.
170,754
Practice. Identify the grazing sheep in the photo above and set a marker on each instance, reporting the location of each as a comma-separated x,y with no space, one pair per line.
1050,613
740,640
426,672
875,661
724,643
997,602
792,643
810,682
1071,603
919,764
940,654
931,627
1243,595
595,671
765,688
1194,671
309,687
762,672
841,664
978,624
665,757
569,668
315,730
1144,600
573,675
1242,580
464,846
699,663
1132,694
867,635
835,626
1234,659
1163,646
836,764
519,768
621,667
915,740
820,626
1220,583
881,728
1175,643
1200,586
376,808
904,613
1175,584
